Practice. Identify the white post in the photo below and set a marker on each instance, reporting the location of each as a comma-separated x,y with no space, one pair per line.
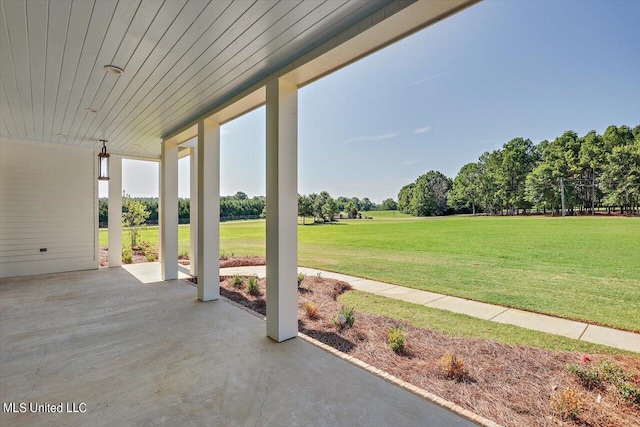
193,211
169,211
115,211
208,210
282,210
159,211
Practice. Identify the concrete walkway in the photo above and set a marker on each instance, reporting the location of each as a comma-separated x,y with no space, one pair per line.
539,322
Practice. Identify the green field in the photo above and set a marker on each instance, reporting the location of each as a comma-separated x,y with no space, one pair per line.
388,215
461,325
149,234
583,268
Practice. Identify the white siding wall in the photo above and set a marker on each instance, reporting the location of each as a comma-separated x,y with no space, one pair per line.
48,199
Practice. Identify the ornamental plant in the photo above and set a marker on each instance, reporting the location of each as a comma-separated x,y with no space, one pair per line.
396,338
605,374
127,254
452,366
237,281
310,309
566,404
345,318
252,285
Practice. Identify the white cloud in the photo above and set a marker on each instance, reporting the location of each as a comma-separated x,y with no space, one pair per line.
422,130
372,138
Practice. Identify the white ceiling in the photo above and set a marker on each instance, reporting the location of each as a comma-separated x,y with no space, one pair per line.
181,58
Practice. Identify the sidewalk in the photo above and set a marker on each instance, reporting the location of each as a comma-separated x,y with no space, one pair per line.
539,322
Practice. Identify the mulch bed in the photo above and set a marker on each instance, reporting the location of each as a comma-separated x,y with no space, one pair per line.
104,257
232,261
511,385
137,257
241,261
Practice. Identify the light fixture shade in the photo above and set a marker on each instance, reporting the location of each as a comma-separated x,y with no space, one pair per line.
103,162
113,69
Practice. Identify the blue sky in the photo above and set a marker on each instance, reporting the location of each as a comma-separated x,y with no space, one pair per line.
440,98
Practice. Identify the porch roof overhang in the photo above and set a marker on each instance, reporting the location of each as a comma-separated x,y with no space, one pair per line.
183,61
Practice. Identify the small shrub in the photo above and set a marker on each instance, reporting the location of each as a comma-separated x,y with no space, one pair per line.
452,366
237,281
611,372
615,375
223,256
127,255
396,339
566,403
630,393
318,276
345,318
252,285
593,376
301,277
150,252
310,309
183,254
606,373
589,376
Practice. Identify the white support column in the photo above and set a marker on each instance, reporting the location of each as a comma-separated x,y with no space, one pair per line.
282,210
115,211
193,211
169,211
208,251
159,211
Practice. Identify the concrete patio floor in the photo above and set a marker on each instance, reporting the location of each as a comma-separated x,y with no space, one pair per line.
150,354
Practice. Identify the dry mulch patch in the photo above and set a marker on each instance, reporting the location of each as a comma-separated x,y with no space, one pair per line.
241,261
104,257
137,257
232,261
512,385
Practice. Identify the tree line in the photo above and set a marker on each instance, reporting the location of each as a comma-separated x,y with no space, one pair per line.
590,172
236,206
239,206
324,208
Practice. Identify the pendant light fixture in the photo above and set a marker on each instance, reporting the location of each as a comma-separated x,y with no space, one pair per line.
103,162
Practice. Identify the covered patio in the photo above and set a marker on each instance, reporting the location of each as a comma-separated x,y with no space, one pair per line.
151,354
156,80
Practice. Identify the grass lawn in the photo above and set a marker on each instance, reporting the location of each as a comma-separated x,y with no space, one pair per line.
583,268
149,234
388,215
461,325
